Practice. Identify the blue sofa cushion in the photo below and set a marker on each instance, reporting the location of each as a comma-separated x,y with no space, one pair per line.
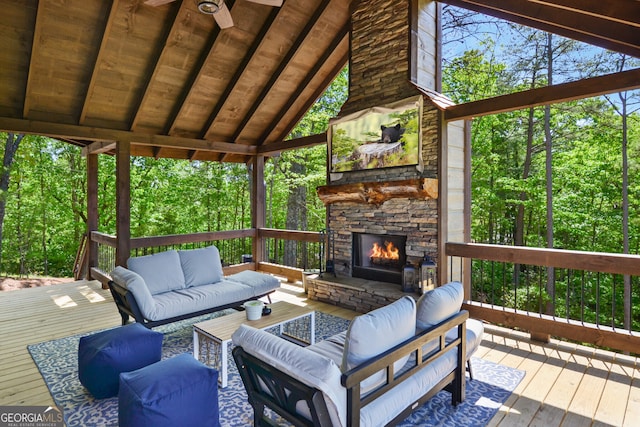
179,391
135,284
161,272
196,298
373,333
439,304
104,355
201,266
260,283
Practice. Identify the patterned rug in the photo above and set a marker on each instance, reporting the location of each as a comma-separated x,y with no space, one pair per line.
58,363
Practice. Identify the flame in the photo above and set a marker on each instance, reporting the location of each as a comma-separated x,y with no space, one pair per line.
389,251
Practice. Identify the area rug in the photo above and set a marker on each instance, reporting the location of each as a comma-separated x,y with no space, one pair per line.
57,362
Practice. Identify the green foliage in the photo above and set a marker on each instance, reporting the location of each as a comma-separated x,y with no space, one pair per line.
508,176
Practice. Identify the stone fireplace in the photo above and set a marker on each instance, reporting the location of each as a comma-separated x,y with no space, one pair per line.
387,201
391,61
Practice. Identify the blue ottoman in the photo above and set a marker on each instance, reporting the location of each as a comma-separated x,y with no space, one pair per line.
103,356
179,391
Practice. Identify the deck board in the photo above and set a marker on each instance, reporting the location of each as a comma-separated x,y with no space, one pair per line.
632,414
565,384
613,404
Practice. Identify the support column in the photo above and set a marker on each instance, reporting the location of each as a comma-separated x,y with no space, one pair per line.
92,212
258,211
466,278
123,202
442,261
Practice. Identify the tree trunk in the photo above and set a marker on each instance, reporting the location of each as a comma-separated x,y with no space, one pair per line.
10,148
518,237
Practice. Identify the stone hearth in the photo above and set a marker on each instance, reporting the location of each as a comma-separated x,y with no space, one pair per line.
353,293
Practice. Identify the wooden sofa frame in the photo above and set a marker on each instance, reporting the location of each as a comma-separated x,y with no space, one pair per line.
128,307
285,391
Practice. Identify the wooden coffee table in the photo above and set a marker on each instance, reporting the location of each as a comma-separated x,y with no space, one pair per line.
213,336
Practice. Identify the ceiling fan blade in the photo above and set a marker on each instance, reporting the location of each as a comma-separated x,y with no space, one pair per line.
157,2
275,3
223,17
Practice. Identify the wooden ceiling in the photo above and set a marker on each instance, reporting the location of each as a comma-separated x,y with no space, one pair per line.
168,80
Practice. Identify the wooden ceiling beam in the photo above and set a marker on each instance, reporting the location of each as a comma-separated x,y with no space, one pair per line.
168,31
595,86
624,11
293,144
344,32
35,47
225,158
157,2
59,130
108,26
284,63
257,42
98,147
572,23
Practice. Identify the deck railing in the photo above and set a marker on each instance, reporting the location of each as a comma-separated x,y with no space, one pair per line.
287,252
582,296
298,249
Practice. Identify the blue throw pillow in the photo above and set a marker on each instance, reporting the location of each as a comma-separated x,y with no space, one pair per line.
439,304
161,272
201,266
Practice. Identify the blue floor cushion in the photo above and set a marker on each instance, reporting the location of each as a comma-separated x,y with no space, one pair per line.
179,391
103,356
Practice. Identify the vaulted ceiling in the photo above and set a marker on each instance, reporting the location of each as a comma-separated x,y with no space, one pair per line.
167,79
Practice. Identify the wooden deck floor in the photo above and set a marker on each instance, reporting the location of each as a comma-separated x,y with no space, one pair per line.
565,384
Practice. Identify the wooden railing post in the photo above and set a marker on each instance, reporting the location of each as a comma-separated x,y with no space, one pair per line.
123,202
92,212
258,211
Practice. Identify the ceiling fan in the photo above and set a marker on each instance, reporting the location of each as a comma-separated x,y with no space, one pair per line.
217,8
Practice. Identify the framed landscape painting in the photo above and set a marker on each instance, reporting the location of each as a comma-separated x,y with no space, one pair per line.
379,137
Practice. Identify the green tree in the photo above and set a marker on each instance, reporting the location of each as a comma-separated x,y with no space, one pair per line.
12,142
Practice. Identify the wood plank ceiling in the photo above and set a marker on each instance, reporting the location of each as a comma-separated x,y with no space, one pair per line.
167,78
171,82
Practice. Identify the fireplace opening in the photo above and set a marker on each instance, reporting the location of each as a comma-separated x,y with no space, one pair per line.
378,257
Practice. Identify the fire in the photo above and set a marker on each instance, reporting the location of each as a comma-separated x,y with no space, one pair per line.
389,251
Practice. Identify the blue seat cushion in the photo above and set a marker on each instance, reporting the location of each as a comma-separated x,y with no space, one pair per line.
103,356
179,391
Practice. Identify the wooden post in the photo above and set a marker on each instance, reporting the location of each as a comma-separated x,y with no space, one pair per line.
258,212
443,201
92,212
123,202
466,275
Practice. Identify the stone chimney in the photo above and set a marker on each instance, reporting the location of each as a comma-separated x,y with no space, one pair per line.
393,43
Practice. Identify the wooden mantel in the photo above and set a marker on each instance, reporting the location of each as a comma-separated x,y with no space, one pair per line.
377,193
